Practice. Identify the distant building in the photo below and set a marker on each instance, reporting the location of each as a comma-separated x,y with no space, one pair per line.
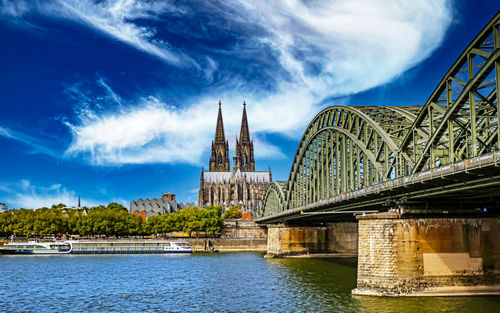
74,207
243,186
165,205
3,207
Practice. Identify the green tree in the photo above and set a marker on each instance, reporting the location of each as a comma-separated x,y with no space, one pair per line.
6,223
23,222
232,212
211,220
110,220
191,220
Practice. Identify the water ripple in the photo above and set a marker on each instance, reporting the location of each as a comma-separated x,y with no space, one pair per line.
237,282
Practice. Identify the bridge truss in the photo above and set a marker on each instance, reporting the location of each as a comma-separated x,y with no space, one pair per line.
346,149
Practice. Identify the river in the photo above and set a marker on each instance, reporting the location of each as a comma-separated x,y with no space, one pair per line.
225,282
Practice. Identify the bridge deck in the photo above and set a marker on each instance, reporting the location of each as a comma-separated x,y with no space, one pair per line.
468,184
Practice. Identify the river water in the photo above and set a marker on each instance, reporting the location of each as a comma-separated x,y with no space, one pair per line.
225,282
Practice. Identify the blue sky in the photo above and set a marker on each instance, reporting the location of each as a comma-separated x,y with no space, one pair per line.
117,100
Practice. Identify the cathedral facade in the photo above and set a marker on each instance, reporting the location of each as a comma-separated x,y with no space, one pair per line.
242,186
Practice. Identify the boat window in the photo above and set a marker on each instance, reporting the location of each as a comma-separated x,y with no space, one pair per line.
64,247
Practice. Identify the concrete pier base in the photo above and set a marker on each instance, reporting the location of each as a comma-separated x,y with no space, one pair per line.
325,241
413,256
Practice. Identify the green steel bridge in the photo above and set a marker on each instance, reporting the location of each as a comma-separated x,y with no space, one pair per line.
443,156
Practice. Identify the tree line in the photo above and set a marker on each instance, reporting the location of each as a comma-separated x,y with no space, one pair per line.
111,220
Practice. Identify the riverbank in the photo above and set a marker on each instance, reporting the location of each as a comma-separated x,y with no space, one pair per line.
229,244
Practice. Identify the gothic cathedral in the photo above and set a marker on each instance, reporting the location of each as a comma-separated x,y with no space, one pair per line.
243,186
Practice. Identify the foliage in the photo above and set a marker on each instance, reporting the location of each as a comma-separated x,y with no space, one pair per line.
112,220
190,220
211,221
232,212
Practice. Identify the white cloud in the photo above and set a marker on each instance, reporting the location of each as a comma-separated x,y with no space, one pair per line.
116,19
347,46
265,150
13,8
328,48
152,132
324,49
23,194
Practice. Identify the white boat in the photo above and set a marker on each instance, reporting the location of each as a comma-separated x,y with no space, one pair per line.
34,247
97,247
178,247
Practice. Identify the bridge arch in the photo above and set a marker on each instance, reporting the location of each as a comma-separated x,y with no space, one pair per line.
274,200
346,149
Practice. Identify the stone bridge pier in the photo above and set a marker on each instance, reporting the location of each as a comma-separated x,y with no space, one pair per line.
333,238
402,255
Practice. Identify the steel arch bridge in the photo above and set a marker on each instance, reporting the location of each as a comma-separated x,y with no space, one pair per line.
348,149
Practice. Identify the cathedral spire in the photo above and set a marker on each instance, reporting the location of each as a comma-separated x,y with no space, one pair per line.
244,132
219,159
243,155
219,130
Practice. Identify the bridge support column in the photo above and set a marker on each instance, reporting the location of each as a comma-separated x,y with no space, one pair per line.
332,239
413,256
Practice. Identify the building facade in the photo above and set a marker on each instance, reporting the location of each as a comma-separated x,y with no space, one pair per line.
165,205
242,186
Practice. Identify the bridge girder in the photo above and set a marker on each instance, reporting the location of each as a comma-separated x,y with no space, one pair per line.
462,114
348,148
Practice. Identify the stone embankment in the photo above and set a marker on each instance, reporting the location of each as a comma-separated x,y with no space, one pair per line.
236,235
229,244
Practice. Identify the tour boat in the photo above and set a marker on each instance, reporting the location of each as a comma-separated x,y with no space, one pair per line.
34,247
96,247
128,247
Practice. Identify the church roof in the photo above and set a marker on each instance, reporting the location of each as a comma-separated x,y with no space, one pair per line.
220,177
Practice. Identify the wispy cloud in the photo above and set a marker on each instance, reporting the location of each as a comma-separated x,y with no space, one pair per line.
299,52
23,194
118,19
326,47
149,132
152,132
347,46
35,144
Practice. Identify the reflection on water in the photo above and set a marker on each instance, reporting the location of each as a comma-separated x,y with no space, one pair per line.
244,282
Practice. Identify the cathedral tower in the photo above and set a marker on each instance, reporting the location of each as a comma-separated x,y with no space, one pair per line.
243,186
219,159
243,153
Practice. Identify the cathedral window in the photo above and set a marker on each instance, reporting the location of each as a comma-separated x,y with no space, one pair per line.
245,160
220,159
240,193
